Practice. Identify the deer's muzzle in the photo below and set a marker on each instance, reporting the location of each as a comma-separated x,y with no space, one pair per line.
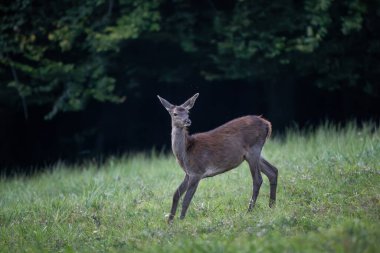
187,123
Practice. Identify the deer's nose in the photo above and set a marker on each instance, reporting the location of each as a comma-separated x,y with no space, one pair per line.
187,122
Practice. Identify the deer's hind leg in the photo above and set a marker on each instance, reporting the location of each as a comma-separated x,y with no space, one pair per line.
272,173
253,159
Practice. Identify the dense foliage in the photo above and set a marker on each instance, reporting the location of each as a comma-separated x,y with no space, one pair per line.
64,53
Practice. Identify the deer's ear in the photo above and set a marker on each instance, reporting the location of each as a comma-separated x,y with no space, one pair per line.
168,106
190,102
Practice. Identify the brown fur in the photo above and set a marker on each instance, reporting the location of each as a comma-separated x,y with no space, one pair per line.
225,147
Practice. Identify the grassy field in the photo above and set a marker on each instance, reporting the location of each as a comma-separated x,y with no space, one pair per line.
328,201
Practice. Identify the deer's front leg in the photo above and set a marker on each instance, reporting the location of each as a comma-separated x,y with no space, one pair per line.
176,196
193,184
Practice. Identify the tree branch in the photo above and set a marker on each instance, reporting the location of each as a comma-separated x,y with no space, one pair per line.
23,100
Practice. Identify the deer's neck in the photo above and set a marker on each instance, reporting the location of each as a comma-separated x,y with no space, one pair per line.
180,138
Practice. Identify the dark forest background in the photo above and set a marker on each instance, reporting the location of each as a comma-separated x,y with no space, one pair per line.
79,79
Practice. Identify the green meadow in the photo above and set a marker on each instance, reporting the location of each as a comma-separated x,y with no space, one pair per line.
328,201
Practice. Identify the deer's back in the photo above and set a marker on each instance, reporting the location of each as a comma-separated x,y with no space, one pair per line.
247,130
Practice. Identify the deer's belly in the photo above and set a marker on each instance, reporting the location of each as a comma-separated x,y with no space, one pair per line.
222,166
213,171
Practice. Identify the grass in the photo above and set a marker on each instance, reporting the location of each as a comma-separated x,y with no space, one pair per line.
328,201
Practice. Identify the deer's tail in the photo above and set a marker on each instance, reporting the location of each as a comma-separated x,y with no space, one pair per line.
268,126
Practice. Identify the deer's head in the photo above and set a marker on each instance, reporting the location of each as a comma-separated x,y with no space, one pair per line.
179,113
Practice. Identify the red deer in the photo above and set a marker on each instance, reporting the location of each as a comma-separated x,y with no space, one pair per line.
217,151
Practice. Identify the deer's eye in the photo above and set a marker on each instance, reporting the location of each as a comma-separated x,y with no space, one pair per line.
175,114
